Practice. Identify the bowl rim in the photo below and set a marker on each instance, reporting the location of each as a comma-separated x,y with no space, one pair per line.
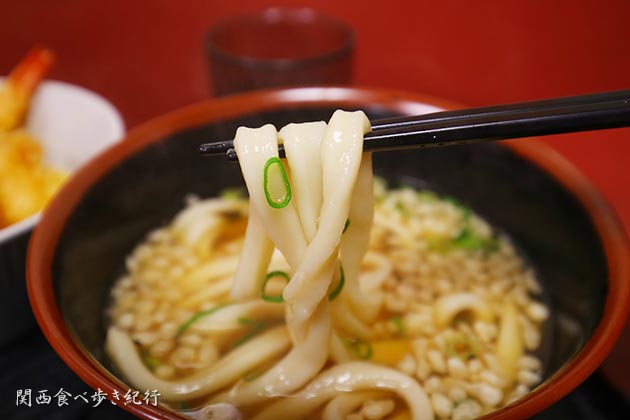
46,235
117,132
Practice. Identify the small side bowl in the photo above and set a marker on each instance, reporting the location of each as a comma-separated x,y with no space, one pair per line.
553,213
72,124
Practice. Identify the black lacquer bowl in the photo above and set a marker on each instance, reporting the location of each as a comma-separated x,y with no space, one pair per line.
524,188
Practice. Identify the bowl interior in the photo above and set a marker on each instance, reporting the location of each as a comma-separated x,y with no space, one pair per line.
547,223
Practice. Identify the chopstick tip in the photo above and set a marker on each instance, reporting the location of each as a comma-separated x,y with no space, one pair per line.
231,155
214,148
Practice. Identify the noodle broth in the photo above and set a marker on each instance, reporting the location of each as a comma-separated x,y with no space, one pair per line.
450,289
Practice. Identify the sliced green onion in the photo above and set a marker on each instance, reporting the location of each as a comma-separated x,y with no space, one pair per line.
467,239
345,227
150,361
397,322
244,321
183,405
361,348
196,317
276,184
342,280
258,327
264,295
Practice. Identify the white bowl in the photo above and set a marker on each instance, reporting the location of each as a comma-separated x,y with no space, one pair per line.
73,124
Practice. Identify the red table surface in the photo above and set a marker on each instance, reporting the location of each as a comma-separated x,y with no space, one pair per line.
147,58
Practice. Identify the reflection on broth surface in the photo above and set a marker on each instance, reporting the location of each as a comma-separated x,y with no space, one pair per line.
419,310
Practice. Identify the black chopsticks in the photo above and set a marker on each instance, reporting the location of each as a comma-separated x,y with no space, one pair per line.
500,122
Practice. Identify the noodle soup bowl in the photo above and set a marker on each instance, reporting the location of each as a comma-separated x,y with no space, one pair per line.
557,220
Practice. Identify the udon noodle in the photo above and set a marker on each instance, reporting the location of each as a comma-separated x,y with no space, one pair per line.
326,294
